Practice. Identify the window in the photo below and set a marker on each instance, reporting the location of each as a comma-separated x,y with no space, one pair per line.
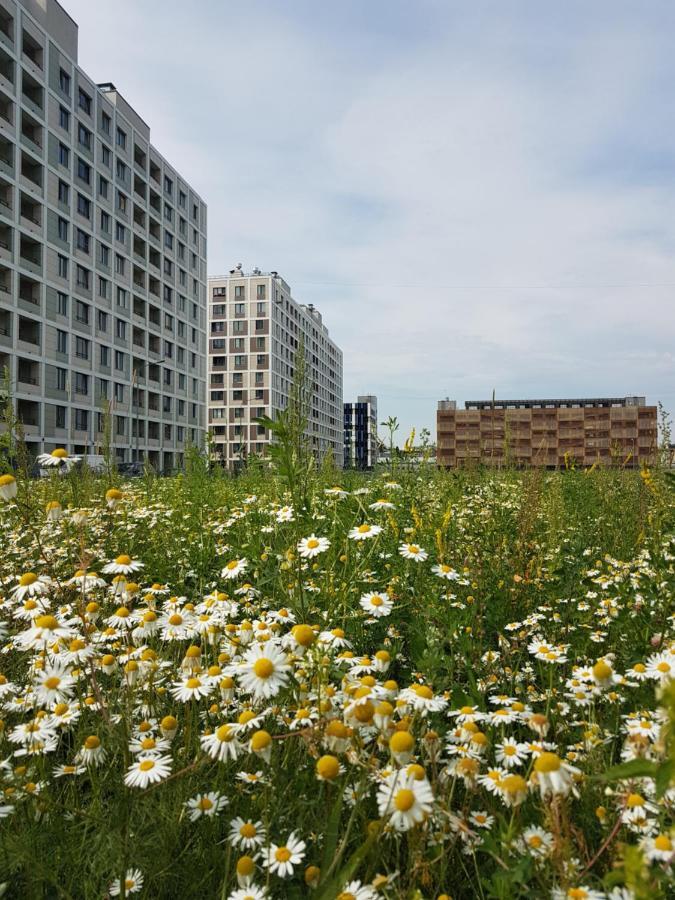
61,342
103,288
60,417
106,122
81,383
82,312
62,303
166,404
168,213
104,356
121,202
105,222
119,232
64,118
121,170
168,185
102,387
82,277
239,290
240,360
83,170
104,255
64,192
82,241
63,266
120,329
121,139
120,264
63,229
168,240
119,392
259,324
81,347
260,309
84,136
106,156
103,187
239,309
122,298
238,343
83,206
182,199
64,155
64,81
219,309
219,291
84,101
102,320
119,360
81,420
239,327
260,292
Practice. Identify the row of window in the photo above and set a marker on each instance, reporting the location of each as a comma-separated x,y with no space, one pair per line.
81,423
240,291
239,309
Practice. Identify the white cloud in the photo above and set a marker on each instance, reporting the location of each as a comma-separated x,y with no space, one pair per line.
380,169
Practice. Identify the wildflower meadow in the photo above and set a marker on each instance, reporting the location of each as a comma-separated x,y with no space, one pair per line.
405,684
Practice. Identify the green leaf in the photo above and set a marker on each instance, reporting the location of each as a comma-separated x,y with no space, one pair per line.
634,768
332,888
331,837
665,775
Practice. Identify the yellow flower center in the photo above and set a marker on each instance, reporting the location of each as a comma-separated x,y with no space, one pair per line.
413,548
148,743
634,800
123,560
146,765
663,666
49,623
513,784
224,733
423,691
205,803
263,667
547,762
663,843
376,600
282,854
175,619
404,800
328,767
260,740
312,544
401,742
28,579
59,453
52,682
364,529
92,742
6,479
602,670
193,683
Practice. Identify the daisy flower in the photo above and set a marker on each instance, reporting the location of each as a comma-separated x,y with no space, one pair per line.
284,514
30,585
133,883
8,487
58,457
264,671
148,770
413,551
422,699
280,858
364,531
252,892
234,569
536,841
206,805
510,753
46,630
122,565
222,744
311,546
355,890
377,605
446,572
405,799
381,504
192,688
661,666
659,849
245,834
53,684
552,775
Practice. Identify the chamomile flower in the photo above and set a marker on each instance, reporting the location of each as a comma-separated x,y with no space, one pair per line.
552,775
446,572
222,744
147,770
413,551
405,800
57,458
364,532
194,687
281,858
234,568
133,883
264,671
376,604
8,487
312,546
208,805
356,890
122,565
246,834
31,585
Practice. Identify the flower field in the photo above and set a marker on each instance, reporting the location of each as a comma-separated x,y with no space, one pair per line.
405,685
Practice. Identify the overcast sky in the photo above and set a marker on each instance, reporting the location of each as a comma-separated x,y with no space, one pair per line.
478,196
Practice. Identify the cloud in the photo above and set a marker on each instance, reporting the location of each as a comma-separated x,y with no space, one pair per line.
475,196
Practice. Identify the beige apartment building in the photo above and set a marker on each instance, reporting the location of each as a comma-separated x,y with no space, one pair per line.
102,257
255,331
551,433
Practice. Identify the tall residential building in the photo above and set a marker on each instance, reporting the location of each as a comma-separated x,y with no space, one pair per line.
102,257
256,328
619,431
361,444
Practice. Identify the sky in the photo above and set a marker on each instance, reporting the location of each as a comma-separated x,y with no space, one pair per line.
478,197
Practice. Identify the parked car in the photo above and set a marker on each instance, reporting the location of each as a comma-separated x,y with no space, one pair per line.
131,469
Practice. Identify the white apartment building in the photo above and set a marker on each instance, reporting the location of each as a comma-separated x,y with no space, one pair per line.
103,303
360,428
255,329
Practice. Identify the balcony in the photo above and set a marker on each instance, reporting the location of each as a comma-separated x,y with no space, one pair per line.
32,173
29,291
31,213
139,308
155,172
32,133
5,327
6,242
32,51
6,156
30,254
138,337
29,331
7,70
7,112
139,217
33,94
28,373
28,412
6,28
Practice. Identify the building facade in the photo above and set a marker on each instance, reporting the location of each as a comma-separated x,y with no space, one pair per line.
360,427
551,433
102,257
255,331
